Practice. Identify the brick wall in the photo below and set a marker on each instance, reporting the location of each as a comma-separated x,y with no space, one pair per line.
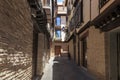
15,40
43,53
40,58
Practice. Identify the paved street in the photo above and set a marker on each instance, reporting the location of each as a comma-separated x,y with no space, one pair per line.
60,68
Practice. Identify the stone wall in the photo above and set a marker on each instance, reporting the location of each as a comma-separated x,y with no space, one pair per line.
96,52
15,40
71,50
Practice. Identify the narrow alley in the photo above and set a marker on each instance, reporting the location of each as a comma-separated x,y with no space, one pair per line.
60,68
59,39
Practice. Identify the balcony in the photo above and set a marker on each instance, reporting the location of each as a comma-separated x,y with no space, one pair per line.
75,2
105,5
38,13
36,4
32,3
67,36
105,20
77,18
78,15
71,24
48,9
49,15
62,10
68,10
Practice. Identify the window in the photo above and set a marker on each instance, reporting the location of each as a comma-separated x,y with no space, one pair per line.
58,34
102,2
78,15
77,19
58,21
118,55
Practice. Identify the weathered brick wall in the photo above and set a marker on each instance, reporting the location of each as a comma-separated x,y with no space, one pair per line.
40,63
43,53
15,40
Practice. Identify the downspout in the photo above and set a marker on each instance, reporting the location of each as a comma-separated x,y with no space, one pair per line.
90,11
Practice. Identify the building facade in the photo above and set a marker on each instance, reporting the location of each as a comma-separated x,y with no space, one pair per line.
58,45
24,40
93,29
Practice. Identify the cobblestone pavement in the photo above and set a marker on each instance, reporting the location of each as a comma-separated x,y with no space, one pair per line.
60,68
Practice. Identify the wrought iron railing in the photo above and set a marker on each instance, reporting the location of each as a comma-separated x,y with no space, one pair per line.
35,4
78,15
68,10
75,2
71,24
67,35
77,18
40,15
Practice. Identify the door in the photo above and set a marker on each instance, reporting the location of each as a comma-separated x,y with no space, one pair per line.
118,55
35,53
57,50
78,53
74,47
84,50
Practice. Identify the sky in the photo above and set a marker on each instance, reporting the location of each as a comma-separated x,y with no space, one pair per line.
60,0
58,21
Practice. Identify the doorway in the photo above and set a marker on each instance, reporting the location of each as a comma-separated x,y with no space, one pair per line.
118,55
78,53
57,50
74,47
114,55
84,52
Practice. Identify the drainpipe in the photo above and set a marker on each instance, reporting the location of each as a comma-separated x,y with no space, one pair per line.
90,10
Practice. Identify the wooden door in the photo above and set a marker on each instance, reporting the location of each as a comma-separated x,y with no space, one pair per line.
57,50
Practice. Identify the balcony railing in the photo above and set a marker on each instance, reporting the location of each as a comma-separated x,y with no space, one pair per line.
102,3
67,35
75,2
105,21
77,18
35,4
68,10
62,10
71,24
47,4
